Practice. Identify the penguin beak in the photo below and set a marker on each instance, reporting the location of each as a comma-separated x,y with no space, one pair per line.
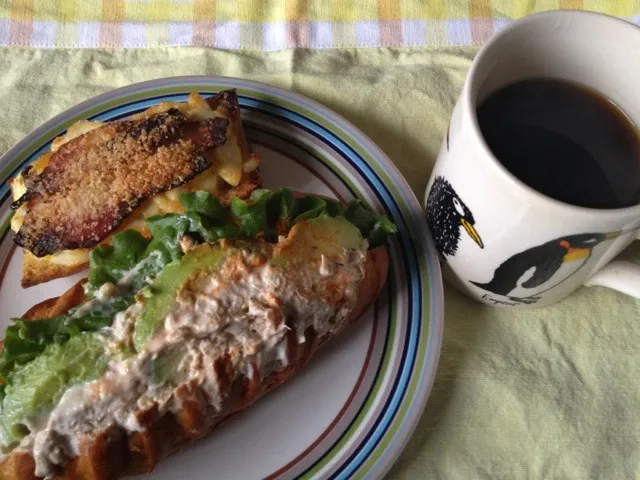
472,232
612,235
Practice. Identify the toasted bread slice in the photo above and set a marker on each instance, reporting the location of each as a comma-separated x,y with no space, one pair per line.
54,249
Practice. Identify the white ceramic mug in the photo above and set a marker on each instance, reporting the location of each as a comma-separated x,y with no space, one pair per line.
499,238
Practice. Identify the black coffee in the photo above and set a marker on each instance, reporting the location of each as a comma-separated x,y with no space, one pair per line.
566,141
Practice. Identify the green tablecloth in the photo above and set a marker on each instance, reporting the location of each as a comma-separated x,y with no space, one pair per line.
549,393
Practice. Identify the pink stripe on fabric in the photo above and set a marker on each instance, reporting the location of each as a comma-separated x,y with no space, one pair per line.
390,33
110,35
298,34
481,30
204,34
20,32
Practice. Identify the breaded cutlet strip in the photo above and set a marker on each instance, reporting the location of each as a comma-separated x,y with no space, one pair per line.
37,270
96,180
114,453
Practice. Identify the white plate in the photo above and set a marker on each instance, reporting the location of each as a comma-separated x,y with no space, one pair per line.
353,408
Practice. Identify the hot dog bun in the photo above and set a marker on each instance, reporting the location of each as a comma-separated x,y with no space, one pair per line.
115,452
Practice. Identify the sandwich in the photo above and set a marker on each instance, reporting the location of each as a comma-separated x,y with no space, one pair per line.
101,178
175,332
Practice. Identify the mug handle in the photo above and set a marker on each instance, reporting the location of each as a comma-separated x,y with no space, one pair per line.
620,275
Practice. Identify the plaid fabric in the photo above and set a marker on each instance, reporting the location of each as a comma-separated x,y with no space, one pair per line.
272,24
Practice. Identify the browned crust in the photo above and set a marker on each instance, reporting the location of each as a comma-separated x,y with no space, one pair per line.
39,270
92,183
54,307
114,453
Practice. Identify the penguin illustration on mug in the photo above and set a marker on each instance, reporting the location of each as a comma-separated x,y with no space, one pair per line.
523,276
448,216
527,274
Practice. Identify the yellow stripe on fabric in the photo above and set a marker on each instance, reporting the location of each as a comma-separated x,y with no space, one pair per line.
319,10
136,11
435,10
421,10
503,8
183,12
522,9
250,11
89,11
159,11
620,8
458,9
224,11
342,11
273,11
43,10
366,10
67,11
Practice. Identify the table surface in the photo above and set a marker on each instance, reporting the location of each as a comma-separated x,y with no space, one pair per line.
546,393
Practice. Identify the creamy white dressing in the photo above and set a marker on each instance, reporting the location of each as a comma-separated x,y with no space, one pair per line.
242,311
129,275
108,292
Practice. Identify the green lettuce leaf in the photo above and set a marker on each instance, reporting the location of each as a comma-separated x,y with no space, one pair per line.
27,339
267,212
